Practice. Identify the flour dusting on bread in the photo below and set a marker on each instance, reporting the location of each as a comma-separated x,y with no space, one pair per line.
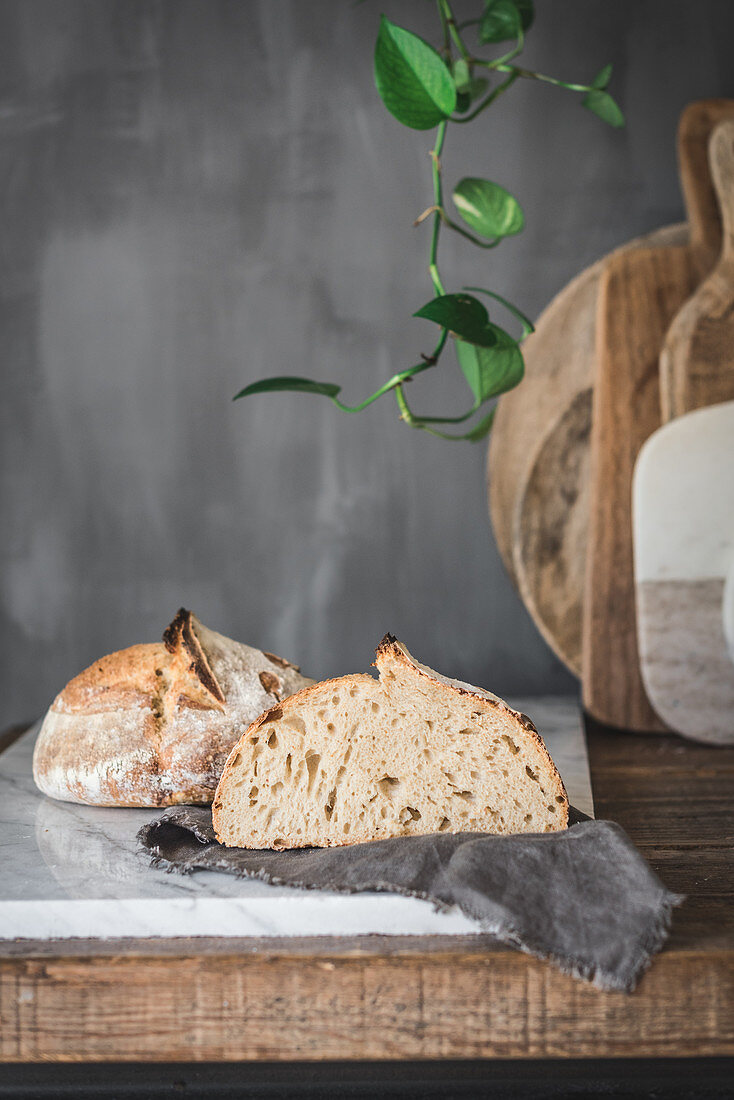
153,725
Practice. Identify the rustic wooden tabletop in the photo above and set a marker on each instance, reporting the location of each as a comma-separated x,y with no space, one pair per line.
414,998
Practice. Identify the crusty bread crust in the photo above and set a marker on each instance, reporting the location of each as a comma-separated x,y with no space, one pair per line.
118,680
391,648
390,655
180,639
152,725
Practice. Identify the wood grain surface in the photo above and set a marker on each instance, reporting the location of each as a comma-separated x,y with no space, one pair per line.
382,998
542,540
538,461
639,294
697,359
695,128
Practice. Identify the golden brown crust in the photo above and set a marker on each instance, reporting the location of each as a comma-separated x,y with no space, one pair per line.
281,661
119,679
144,726
271,683
180,639
387,644
391,648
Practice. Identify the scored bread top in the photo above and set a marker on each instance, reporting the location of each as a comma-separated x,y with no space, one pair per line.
181,640
152,725
354,759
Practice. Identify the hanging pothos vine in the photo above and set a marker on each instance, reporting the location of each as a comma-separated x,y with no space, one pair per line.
425,88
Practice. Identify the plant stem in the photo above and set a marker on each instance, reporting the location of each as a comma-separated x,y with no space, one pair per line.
495,94
455,226
445,28
422,422
438,202
464,233
448,16
448,419
398,379
517,49
527,324
527,74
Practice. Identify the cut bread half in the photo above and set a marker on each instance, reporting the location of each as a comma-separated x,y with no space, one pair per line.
356,759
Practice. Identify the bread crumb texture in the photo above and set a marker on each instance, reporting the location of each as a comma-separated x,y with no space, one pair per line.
357,759
153,725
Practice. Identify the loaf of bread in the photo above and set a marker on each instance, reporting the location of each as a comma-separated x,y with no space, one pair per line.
357,759
153,725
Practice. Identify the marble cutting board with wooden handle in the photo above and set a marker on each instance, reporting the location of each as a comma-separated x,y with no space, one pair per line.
683,507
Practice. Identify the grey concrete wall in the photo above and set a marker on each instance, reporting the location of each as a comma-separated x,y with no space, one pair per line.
199,193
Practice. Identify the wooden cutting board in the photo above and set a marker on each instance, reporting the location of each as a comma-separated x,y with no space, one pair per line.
538,460
683,513
639,294
697,360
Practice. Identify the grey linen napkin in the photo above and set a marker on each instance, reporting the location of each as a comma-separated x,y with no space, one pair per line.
584,898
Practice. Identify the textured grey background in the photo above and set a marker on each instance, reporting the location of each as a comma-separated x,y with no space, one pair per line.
199,193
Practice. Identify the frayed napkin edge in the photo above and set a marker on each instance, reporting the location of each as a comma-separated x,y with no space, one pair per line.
653,941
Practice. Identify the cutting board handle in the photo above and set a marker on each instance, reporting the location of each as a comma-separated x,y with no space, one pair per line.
721,158
696,360
697,123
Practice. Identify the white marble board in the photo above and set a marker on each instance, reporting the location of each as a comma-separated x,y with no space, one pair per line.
683,519
68,870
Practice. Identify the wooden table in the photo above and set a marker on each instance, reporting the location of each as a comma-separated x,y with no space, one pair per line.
381,998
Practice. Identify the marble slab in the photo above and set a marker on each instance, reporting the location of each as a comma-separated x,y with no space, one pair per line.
68,870
683,520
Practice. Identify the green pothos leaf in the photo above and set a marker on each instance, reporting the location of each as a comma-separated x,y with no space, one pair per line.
470,93
604,107
297,385
487,208
463,315
482,429
503,20
413,80
527,324
463,102
462,76
602,78
491,371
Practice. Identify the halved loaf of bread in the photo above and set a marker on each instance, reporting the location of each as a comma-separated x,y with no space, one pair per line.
153,725
357,759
